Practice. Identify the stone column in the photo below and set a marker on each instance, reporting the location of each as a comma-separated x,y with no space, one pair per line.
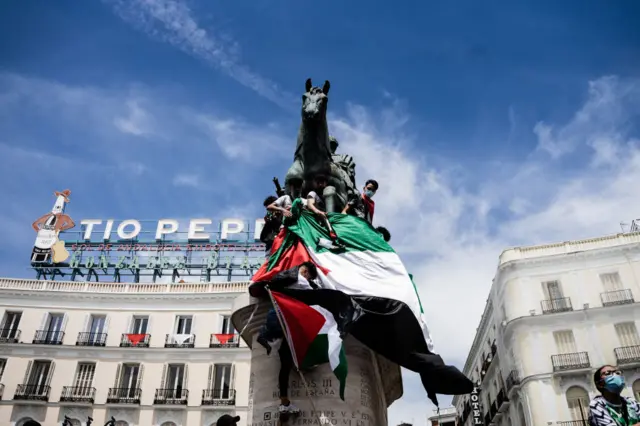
373,383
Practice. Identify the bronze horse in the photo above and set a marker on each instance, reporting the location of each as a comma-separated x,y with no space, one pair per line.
312,157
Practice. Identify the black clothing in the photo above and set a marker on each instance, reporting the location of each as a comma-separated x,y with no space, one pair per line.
286,365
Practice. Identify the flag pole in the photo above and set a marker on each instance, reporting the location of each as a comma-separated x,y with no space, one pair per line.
295,361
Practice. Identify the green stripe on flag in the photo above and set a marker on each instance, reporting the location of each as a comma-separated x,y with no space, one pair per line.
415,288
317,354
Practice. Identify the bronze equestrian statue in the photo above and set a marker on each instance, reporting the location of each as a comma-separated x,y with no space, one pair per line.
314,154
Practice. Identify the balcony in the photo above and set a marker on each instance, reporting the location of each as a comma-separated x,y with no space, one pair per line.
46,337
124,396
171,397
92,339
32,393
78,394
513,380
574,423
627,354
618,297
224,341
8,335
180,341
568,362
130,340
217,397
554,306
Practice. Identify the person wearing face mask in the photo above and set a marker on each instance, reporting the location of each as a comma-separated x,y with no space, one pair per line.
363,206
610,408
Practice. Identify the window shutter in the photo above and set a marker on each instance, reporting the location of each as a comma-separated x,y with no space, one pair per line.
148,325
140,373
185,380
52,367
105,329
163,377
45,319
86,327
116,383
210,380
27,372
130,326
3,325
233,377
65,318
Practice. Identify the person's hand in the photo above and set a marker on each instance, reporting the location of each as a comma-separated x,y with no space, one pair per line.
286,213
322,214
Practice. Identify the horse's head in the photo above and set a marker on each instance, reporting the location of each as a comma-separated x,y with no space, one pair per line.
314,101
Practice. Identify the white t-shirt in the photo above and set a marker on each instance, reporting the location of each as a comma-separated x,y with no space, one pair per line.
318,201
283,202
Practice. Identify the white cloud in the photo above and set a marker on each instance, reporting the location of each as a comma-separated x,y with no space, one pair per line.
173,22
451,236
187,180
137,123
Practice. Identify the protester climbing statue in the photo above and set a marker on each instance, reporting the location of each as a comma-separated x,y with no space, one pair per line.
313,155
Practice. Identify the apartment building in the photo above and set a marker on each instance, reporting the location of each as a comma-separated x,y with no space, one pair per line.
554,314
145,354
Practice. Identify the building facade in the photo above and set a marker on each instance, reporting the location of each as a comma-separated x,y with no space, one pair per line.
145,354
444,417
554,314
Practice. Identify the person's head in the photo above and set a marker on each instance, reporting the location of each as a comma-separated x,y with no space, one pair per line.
31,422
333,144
319,183
370,188
384,232
227,420
269,200
608,379
308,270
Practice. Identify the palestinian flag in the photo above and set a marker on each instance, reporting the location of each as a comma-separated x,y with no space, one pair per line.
364,284
313,336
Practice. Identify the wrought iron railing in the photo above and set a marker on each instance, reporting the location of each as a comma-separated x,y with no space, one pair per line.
92,339
47,337
573,361
32,393
78,394
618,297
221,340
553,306
627,354
133,340
574,423
513,379
176,341
124,396
9,335
219,397
171,396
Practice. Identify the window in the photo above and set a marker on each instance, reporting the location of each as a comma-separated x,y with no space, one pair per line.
552,290
139,325
38,376
183,324
175,377
628,334
9,327
227,326
578,403
565,342
84,378
221,380
611,282
636,389
97,324
130,376
54,323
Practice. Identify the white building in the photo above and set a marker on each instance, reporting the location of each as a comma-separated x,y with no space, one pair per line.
443,417
554,314
146,354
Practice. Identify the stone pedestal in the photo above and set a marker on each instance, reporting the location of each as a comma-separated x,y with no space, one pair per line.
373,383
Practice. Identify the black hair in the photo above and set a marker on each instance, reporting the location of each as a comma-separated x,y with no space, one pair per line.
384,232
372,182
31,422
597,376
312,269
269,200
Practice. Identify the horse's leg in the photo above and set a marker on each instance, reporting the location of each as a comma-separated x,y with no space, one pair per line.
330,198
294,176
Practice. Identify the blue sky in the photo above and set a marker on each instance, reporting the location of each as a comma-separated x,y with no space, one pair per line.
487,125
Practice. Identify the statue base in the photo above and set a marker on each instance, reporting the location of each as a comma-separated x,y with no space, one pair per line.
373,383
